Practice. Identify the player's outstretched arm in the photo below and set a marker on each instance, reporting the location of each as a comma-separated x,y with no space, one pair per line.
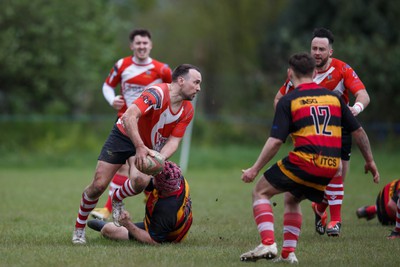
269,150
139,234
363,144
361,102
170,146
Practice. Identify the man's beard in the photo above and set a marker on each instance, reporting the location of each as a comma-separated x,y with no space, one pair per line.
323,62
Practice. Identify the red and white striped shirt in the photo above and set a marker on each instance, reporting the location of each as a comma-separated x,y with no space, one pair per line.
339,78
158,121
134,78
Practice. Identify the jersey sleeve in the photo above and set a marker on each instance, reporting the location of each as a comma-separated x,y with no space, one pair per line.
286,87
166,74
282,120
351,80
185,120
152,97
114,77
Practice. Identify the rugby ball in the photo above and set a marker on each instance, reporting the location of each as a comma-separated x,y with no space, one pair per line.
154,165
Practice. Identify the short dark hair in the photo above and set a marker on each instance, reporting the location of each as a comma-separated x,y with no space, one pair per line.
303,64
141,32
323,33
182,70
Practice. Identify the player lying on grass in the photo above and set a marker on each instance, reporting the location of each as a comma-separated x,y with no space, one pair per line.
168,212
387,208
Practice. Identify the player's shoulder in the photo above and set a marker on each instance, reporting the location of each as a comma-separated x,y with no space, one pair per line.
340,65
160,89
124,62
311,90
153,95
337,62
325,92
159,64
188,104
286,99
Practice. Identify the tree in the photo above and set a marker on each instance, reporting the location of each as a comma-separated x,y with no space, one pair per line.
53,54
365,37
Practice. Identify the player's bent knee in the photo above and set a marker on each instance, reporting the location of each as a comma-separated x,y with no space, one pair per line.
140,182
108,230
113,232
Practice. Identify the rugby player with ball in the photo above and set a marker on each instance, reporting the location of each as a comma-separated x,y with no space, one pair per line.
157,120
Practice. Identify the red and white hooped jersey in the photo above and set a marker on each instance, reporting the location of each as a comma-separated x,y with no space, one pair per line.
158,121
339,77
134,77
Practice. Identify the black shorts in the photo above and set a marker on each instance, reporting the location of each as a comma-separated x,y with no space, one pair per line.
117,148
280,181
346,145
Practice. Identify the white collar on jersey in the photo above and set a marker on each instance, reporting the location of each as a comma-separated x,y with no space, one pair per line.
321,76
147,61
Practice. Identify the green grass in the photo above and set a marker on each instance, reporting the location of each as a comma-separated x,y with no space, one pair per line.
39,205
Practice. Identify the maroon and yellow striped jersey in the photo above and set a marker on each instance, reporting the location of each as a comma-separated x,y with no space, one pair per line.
389,191
313,116
168,219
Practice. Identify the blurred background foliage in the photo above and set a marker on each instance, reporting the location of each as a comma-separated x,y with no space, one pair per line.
55,56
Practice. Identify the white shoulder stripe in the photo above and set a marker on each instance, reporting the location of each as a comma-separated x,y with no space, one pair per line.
320,77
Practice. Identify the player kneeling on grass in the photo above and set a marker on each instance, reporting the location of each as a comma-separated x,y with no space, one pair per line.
387,208
313,116
168,212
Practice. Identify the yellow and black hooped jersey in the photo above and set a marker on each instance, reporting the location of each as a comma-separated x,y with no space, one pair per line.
168,219
313,116
389,191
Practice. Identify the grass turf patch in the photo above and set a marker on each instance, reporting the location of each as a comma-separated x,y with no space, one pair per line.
39,207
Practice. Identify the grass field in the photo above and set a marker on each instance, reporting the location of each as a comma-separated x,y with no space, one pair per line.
39,205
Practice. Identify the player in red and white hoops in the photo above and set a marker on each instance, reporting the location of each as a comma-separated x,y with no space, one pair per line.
133,74
157,120
339,77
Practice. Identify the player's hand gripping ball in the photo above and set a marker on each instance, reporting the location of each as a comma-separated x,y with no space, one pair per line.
154,165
